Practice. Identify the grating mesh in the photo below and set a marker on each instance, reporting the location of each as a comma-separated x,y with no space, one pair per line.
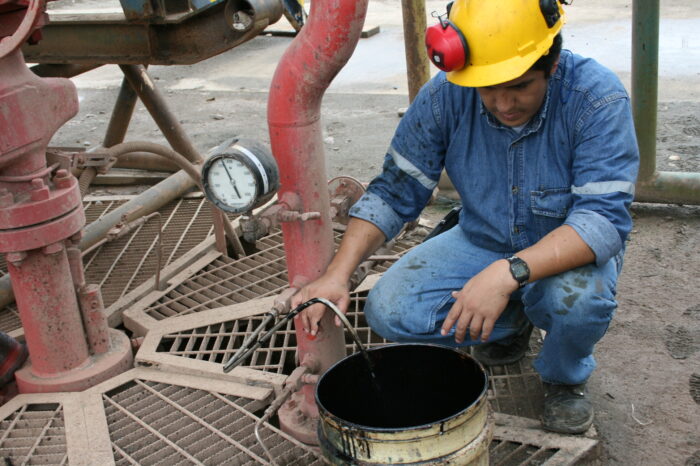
507,453
34,434
227,281
9,319
516,389
122,265
216,343
155,423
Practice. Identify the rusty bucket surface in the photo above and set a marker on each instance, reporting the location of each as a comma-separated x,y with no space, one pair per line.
427,405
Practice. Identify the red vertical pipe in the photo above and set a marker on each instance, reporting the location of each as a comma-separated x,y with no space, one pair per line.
49,311
305,71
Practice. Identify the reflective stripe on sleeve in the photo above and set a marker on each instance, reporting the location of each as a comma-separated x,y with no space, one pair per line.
407,167
604,187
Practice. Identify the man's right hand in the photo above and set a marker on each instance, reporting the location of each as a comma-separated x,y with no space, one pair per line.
327,286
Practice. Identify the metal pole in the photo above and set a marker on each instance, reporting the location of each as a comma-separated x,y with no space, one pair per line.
645,81
153,100
121,115
653,186
155,103
417,64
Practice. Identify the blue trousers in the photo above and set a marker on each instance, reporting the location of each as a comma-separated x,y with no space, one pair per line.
411,301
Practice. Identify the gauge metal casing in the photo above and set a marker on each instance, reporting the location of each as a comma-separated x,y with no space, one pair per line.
240,175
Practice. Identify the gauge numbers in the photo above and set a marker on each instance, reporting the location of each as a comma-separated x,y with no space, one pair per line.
232,183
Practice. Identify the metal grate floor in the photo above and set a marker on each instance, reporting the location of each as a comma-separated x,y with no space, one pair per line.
158,423
122,265
227,281
514,389
162,422
34,434
507,452
218,342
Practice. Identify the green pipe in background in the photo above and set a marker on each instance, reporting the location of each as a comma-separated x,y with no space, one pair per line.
653,186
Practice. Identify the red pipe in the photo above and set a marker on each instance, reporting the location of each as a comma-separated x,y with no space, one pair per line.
307,68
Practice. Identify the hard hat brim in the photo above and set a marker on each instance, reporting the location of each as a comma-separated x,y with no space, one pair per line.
496,73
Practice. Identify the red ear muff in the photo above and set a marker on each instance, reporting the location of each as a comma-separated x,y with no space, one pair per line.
447,47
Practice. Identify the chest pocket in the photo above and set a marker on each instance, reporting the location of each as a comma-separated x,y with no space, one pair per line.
550,208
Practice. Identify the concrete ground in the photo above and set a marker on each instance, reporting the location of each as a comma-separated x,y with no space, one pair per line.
647,387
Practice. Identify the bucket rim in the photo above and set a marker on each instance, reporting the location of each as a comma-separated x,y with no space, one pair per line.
353,425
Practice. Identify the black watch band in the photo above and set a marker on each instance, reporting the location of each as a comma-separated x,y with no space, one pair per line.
519,270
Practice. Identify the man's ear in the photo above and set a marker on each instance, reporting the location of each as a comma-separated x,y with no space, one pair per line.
554,67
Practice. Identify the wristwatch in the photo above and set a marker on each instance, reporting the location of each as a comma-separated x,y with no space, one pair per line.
519,270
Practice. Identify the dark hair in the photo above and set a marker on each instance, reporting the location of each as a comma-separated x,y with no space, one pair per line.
546,61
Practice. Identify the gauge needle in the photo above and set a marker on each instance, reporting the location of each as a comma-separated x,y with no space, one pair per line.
231,178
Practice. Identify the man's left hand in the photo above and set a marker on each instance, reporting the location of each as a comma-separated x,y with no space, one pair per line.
480,302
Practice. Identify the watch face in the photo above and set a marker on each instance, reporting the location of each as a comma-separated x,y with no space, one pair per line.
520,271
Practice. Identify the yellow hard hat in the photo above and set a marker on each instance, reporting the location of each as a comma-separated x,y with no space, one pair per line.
501,39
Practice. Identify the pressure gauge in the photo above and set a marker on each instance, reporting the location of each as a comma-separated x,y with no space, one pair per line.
239,176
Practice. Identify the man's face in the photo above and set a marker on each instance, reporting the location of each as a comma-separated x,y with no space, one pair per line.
513,103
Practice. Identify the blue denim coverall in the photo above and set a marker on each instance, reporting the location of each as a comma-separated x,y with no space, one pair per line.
574,163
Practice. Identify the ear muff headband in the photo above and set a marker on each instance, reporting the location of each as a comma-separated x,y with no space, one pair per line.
447,47
550,11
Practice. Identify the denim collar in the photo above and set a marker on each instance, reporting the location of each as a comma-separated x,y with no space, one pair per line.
531,126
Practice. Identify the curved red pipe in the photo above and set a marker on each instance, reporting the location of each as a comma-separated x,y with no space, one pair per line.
303,74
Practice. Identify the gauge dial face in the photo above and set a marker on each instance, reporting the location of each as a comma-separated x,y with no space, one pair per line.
232,183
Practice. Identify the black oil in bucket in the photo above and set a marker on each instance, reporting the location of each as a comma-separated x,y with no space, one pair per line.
422,393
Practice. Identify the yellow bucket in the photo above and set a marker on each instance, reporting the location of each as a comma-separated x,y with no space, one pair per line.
426,405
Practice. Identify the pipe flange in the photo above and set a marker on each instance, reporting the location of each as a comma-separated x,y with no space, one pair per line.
41,204
35,237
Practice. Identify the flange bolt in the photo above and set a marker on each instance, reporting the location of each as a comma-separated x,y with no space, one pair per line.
16,257
40,192
52,248
62,180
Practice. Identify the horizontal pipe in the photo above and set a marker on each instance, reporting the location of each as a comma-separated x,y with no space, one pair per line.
165,152
145,161
197,37
670,187
145,203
